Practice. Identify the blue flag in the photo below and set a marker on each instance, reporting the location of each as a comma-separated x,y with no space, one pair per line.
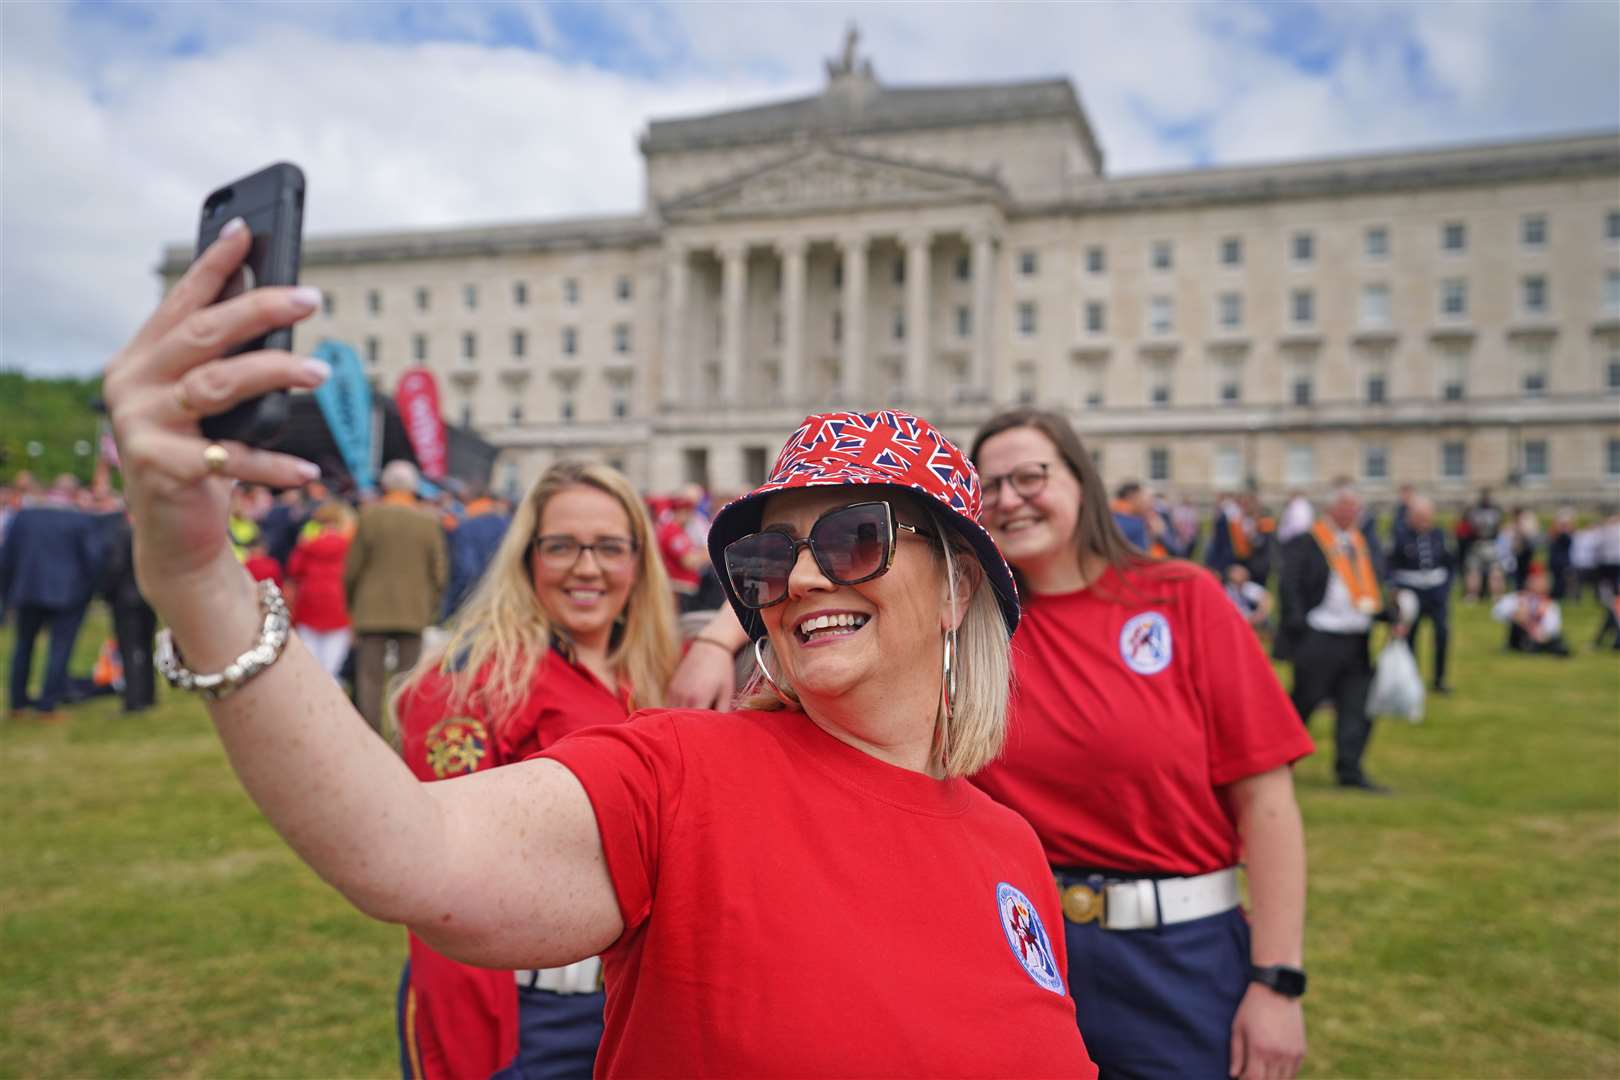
345,401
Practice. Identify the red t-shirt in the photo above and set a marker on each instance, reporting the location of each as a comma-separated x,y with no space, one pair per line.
462,1020
316,568
795,907
1133,701
674,544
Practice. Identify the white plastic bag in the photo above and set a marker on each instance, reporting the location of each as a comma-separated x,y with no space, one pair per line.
1397,688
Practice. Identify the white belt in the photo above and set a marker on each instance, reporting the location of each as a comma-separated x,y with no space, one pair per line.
580,977
1144,903
1421,579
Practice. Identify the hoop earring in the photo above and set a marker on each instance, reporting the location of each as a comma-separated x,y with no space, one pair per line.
947,696
759,662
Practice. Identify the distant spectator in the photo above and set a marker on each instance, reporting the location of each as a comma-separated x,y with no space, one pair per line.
472,545
1560,562
394,578
283,522
1535,621
320,613
1421,562
48,572
1397,522
261,566
684,557
134,621
243,524
1250,598
1526,545
1130,514
1484,520
1583,555
1297,518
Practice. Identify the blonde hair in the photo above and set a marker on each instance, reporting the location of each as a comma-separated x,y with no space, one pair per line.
983,663
502,633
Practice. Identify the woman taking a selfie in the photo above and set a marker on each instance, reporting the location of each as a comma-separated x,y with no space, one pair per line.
570,626
1150,748
769,890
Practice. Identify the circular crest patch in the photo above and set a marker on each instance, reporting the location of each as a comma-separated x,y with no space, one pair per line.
1027,938
456,745
1144,644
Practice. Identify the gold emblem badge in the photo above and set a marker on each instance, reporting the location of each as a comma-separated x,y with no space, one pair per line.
1082,904
456,745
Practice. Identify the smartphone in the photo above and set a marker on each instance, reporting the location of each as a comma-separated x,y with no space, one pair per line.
271,201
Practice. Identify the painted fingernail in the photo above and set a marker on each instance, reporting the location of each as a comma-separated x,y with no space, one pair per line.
307,297
319,370
232,227
308,470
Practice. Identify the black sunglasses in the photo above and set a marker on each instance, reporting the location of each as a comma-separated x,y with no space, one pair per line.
851,544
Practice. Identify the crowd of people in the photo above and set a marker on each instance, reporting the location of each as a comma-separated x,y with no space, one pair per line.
908,761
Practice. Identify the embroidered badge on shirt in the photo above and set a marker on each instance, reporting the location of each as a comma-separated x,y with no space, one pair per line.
1027,938
1144,644
456,745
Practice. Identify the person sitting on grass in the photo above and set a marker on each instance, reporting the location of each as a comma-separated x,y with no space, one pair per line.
1250,598
1535,623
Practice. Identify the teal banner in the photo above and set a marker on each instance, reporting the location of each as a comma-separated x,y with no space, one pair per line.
345,401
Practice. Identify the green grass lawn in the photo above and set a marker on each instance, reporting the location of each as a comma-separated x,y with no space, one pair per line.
151,924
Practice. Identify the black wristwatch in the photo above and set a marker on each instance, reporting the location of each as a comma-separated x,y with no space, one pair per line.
1285,980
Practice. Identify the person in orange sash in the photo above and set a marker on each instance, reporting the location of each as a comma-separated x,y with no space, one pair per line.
1330,597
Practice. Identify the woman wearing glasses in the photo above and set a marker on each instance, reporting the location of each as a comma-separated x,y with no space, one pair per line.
1150,748
571,626
812,890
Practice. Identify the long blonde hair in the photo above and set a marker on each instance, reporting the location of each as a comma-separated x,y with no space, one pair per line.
978,721
502,633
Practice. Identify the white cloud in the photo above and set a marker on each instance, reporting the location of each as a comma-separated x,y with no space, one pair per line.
112,131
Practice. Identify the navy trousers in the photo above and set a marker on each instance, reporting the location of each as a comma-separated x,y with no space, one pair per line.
64,630
1435,606
557,1036
1159,1003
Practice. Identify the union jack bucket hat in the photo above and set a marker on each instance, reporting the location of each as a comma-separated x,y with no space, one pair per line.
879,449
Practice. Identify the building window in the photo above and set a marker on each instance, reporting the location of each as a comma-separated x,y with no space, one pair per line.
1611,226
1096,260
565,410
1454,460
515,413
520,344
1375,242
964,320
423,299
1534,380
1028,263
621,337
899,269
1304,247
1158,464
570,287
1159,393
837,327
1230,388
1162,257
466,414
899,324
1161,315
1096,317
1612,458
1231,310
1226,468
520,294
1302,389
1454,237
469,346
1611,371
469,296
622,288
964,268
1375,462
373,354
570,341
838,275
1232,251
1533,231
776,327
1302,307
328,303
1299,465
1454,374
1026,318
373,302
1377,388
1533,293
1535,459
1454,298
1611,291
621,407
1026,380
419,347
1375,305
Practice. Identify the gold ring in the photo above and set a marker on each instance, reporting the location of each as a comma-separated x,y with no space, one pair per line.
215,457
181,400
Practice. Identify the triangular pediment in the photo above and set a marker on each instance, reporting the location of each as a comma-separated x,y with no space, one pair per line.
826,179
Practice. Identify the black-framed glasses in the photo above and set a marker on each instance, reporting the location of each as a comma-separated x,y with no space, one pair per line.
850,544
1026,480
560,552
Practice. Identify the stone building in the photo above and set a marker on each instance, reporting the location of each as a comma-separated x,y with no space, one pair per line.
1449,317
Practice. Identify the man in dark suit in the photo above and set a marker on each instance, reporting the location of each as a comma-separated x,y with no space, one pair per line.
134,621
1422,561
47,574
1330,598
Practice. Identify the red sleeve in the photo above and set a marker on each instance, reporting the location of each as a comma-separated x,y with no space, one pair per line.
1251,724
632,773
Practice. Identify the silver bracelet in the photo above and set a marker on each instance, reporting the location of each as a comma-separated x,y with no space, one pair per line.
272,640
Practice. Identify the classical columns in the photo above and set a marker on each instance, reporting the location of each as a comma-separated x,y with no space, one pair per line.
734,272
792,254
984,274
674,371
918,285
852,375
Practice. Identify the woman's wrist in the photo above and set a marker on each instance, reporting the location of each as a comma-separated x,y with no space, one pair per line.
214,615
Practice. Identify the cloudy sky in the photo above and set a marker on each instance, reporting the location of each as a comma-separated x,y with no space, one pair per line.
118,117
